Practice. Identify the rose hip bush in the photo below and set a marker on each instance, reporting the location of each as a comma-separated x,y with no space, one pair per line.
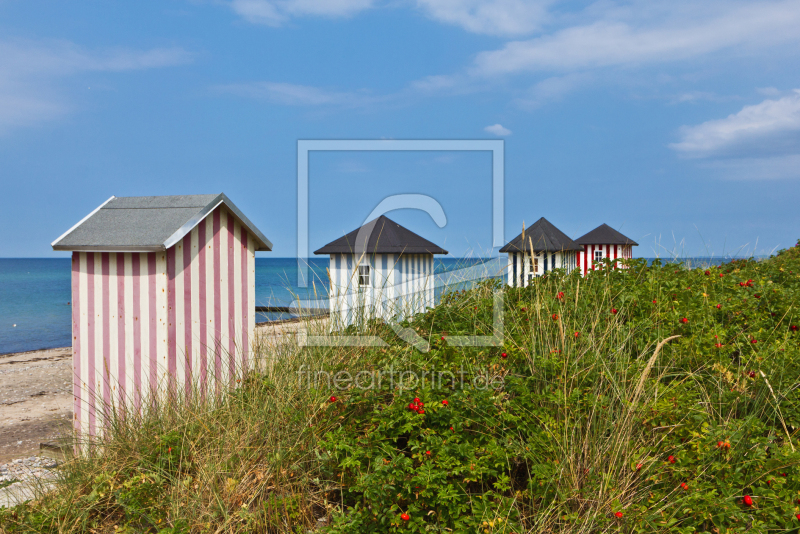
632,400
589,432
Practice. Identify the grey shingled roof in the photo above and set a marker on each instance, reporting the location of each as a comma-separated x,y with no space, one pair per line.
382,236
543,237
605,235
147,224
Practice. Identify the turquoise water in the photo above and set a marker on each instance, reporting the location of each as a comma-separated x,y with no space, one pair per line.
35,293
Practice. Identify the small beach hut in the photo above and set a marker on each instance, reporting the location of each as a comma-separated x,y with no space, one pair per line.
538,249
381,270
603,243
163,296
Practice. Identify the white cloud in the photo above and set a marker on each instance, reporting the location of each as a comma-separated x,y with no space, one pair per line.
299,95
694,96
432,84
614,42
552,89
29,72
772,168
498,130
772,125
768,91
277,12
493,17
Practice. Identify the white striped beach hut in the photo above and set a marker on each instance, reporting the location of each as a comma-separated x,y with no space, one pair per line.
603,243
381,270
163,298
537,250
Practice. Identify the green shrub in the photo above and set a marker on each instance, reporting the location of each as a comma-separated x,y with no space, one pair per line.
660,415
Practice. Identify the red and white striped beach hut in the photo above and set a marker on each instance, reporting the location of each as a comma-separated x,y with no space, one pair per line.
603,243
163,298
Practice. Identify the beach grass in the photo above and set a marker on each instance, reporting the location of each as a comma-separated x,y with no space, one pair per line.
649,399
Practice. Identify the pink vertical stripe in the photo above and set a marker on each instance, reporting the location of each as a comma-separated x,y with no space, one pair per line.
90,317
245,304
137,329
76,339
172,343
121,328
153,317
106,265
217,309
187,310
231,302
201,282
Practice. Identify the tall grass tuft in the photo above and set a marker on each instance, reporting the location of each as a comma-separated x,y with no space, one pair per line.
647,399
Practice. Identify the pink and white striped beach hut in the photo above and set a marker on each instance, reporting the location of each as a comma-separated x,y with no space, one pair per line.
163,298
603,243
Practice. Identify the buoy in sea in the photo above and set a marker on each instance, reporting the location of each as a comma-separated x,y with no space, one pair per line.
15,326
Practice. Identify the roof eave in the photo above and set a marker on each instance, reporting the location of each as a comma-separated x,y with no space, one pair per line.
512,249
106,248
631,243
343,250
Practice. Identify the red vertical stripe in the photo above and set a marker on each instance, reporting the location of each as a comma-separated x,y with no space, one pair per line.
76,339
90,318
187,310
217,309
231,301
245,304
153,317
171,327
201,281
137,329
104,259
121,328
615,255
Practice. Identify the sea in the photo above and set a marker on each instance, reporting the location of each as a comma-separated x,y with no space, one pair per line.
35,292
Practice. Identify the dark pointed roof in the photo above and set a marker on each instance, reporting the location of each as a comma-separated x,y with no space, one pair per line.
382,236
605,235
544,237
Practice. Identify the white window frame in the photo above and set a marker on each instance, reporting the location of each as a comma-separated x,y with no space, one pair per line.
598,255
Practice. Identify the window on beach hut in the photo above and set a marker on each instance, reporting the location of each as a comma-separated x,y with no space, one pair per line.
533,266
598,255
363,275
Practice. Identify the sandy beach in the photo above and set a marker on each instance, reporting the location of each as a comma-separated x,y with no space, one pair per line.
36,394
35,400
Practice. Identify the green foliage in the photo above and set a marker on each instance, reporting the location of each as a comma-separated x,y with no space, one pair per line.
561,440
576,423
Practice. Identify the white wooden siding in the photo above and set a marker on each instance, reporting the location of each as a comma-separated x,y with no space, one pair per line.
400,286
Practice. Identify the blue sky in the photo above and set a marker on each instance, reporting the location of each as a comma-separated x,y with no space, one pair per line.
676,122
